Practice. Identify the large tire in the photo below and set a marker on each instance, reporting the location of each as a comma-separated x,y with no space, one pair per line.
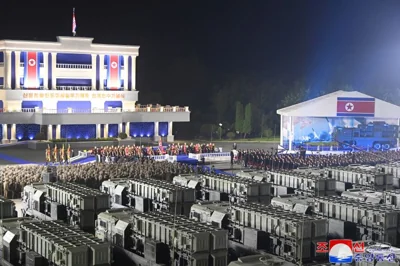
377,146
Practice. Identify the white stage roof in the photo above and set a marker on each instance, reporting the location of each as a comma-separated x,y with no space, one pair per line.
328,106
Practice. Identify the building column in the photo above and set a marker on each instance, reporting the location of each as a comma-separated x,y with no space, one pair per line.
170,137
156,129
106,130
282,127
128,129
17,70
94,71
98,131
7,68
53,71
5,133
101,72
58,132
45,71
126,72
13,133
49,132
133,73
119,128
290,134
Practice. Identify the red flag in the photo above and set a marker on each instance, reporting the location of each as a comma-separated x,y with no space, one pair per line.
73,22
32,66
160,146
352,106
114,69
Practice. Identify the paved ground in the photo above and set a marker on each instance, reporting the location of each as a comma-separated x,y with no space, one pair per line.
227,146
20,154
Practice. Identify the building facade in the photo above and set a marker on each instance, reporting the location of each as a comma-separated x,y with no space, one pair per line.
78,89
340,120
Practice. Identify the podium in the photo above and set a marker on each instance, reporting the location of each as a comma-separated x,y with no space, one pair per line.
49,175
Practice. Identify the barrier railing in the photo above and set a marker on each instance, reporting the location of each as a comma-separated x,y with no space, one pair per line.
218,156
172,158
81,155
93,110
159,157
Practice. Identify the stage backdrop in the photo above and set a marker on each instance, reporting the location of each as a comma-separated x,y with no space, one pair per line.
363,132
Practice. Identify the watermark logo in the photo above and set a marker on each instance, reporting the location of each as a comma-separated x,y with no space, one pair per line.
346,250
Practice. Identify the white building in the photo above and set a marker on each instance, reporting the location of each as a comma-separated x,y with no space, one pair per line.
79,89
344,117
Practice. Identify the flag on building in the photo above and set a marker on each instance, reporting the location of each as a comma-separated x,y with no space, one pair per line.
114,72
73,22
31,70
353,106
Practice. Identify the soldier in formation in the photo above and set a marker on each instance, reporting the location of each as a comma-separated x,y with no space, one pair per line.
116,153
260,159
93,174
56,155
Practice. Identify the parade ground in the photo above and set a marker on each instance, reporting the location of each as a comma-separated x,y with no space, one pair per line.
20,154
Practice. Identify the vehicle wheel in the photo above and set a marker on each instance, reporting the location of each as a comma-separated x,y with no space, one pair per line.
386,146
377,146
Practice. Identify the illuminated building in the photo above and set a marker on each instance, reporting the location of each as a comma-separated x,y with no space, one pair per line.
78,89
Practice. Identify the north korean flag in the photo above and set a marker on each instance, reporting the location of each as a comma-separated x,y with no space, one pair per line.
114,69
349,106
31,68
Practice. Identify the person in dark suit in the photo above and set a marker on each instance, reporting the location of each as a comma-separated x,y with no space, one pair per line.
232,155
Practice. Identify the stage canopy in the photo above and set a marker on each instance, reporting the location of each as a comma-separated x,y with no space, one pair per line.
324,119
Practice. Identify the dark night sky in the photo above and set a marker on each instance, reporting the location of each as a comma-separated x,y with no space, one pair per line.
183,42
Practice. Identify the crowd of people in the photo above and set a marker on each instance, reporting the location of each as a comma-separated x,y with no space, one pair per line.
93,174
123,153
260,159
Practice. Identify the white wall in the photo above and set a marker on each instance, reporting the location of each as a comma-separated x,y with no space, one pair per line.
326,106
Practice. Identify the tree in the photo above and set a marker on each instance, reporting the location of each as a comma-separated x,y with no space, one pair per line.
247,123
263,124
239,117
220,103
206,130
296,95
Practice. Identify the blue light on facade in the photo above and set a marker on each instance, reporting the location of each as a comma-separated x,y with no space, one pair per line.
77,131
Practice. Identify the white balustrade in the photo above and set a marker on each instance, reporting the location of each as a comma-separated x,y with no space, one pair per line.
159,158
81,155
74,66
74,88
211,157
78,111
121,67
23,64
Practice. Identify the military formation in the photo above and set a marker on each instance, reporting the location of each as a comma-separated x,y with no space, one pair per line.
114,154
58,155
93,174
260,159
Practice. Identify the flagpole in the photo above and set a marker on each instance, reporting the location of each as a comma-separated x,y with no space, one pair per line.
73,23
